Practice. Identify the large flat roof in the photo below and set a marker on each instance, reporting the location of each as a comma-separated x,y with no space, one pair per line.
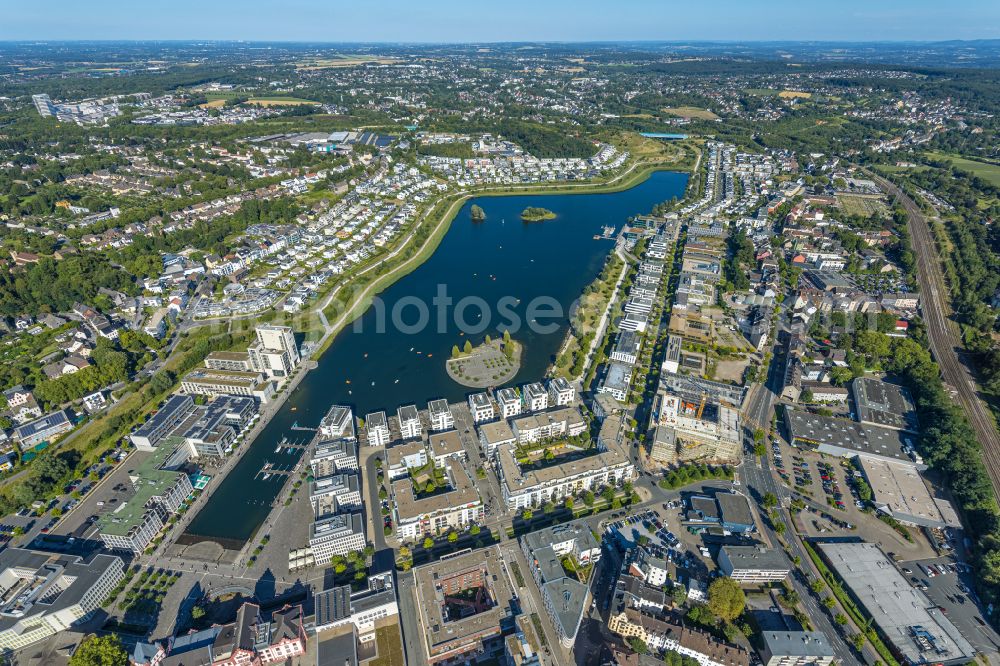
458,633
462,493
150,480
898,490
843,437
884,404
904,615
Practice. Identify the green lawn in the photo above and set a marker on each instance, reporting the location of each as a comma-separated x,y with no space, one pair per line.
390,647
986,171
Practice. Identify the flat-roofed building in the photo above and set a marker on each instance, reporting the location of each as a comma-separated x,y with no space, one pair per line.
900,492
795,648
917,631
409,422
446,446
753,565
453,629
561,392
229,360
403,457
440,416
660,633
508,401
883,404
42,594
158,493
481,408
274,353
377,427
523,489
177,408
617,379
845,438
340,606
337,492
627,347
338,423
553,423
213,429
457,508
494,435
534,397
336,535
206,381
565,598
672,359
332,456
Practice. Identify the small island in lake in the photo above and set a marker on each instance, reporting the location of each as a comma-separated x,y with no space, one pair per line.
492,363
477,213
533,214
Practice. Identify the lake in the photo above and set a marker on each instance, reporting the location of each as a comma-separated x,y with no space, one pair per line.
499,273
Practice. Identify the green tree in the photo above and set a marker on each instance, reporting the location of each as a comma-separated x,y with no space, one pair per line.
475,530
840,619
638,645
770,500
100,651
468,346
568,503
527,514
588,498
726,599
452,536
454,351
428,543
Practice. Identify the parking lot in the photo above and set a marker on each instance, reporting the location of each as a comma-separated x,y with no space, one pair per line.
664,536
948,584
106,495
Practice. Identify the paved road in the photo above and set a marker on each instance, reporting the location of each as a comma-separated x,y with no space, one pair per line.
944,334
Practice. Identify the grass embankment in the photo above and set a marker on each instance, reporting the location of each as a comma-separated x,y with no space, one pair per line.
985,170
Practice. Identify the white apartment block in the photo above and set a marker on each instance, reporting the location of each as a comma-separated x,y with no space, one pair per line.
378,429
481,408
409,422
440,416
561,392
509,402
534,396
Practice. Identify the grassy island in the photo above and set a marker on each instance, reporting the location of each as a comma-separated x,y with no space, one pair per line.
492,363
535,214
477,213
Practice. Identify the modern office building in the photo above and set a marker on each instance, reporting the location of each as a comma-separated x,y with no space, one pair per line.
883,404
330,457
753,565
336,535
334,493
213,429
626,348
206,381
229,360
340,606
177,408
616,381
42,594
795,648
159,492
338,423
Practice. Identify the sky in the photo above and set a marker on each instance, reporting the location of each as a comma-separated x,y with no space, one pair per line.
499,20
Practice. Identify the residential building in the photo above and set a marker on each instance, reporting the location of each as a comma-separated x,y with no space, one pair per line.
214,383
617,379
446,446
409,422
177,408
377,427
338,423
561,392
508,401
274,353
417,515
666,633
458,637
229,360
481,408
405,456
43,429
704,429
553,423
534,397
440,416
494,435
566,598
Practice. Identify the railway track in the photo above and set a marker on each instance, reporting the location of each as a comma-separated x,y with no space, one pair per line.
944,333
